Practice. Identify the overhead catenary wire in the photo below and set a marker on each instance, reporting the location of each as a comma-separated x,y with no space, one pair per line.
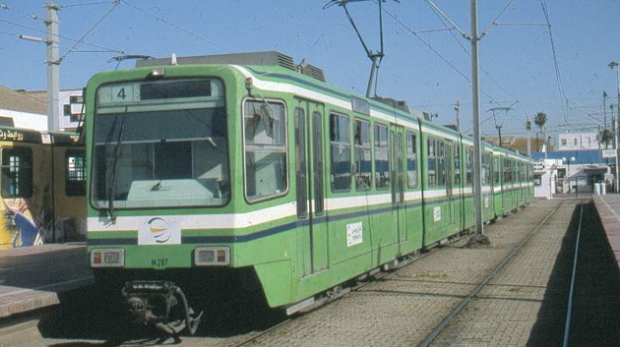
88,4
163,20
460,43
112,50
25,14
558,75
116,3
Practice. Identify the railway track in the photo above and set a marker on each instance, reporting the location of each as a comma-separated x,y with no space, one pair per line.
471,296
431,301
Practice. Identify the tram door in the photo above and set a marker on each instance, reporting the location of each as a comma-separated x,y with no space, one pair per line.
310,189
398,190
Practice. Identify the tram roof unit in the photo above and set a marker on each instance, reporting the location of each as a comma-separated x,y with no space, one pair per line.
278,60
276,65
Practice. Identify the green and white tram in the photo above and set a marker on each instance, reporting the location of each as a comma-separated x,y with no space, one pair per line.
250,169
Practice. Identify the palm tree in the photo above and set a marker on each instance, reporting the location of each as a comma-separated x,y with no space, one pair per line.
540,119
606,136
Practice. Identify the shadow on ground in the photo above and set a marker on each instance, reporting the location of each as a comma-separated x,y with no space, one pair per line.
81,316
596,302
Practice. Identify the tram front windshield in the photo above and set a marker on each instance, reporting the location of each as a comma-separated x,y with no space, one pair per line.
160,144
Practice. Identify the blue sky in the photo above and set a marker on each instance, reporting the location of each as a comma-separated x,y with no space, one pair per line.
427,67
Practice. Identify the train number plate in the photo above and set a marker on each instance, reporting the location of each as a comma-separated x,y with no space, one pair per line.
159,262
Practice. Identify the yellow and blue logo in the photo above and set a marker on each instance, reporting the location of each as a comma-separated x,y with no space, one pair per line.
159,230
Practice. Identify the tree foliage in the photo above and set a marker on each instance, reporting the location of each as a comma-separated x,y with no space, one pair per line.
606,136
540,119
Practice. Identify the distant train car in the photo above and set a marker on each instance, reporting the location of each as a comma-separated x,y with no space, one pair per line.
252,170
42,186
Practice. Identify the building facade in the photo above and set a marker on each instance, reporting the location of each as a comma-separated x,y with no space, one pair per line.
578,141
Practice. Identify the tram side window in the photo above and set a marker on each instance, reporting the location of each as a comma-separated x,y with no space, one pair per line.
382,165
507,171
432,170
457,165
340,153
265,150
441,163
469,164
485,169
412,161
363,164
16,172
496,165
75,174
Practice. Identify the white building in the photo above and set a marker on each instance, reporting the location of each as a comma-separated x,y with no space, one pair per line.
578,141
21,110
71,107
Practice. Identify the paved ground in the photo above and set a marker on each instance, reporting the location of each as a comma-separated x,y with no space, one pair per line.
608,207
31,277
404,307
523,305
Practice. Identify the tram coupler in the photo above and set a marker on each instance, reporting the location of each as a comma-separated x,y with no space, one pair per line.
151,302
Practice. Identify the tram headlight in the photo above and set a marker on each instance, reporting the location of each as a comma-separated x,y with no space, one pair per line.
114,257
212,256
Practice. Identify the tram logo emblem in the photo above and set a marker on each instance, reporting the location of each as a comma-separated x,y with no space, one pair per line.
158,231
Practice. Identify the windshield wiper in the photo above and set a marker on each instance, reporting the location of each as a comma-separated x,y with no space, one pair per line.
118,149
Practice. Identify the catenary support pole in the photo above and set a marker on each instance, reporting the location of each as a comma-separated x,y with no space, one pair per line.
476,117
53,74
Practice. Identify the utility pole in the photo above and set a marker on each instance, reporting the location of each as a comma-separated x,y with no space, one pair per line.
604,111
529,136
474,37
476,119
612,65
53,74
457,108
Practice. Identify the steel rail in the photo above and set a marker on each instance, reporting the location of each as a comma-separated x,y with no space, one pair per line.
354,288
456,310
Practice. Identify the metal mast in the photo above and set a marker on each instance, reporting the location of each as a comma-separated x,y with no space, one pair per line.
53,74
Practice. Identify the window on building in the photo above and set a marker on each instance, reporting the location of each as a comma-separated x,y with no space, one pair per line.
16,172
75,183
67,110
537,180
76,99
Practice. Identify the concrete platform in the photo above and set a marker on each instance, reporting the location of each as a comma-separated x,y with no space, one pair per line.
32,277
608,207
